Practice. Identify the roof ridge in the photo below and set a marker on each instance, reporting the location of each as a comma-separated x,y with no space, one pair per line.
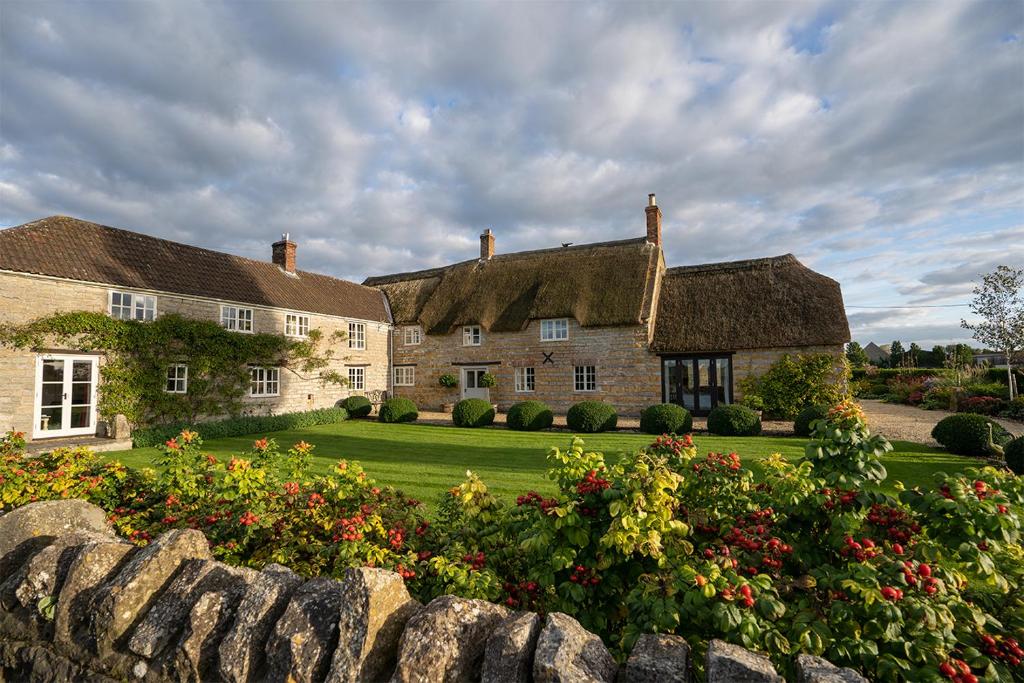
734,265
439,270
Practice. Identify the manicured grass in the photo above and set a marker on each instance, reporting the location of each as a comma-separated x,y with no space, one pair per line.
425,460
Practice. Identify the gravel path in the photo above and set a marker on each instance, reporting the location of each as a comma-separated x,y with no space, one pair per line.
907,423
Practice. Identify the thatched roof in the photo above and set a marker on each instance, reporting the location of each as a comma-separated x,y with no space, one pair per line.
603,284
761,303
65,247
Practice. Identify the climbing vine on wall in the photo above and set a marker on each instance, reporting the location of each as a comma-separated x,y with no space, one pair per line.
134,377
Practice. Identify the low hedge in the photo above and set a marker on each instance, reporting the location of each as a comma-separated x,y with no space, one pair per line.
357,406
802,423
967,434
734,420
238,426
591,416
1014,453
473,412
529,416
666,418
398,410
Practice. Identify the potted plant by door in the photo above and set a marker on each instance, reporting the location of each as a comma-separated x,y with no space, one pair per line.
489,381
448,381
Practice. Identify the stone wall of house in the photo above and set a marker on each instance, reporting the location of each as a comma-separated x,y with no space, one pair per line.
628,375
755,362
24,298
77,603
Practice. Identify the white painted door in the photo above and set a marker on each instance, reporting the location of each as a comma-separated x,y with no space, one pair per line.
471,388
65,395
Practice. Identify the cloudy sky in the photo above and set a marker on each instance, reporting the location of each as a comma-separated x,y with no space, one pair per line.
881,142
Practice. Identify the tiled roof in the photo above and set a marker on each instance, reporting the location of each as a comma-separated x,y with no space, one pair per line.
64,247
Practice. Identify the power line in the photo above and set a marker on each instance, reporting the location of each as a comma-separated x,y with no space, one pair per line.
913,306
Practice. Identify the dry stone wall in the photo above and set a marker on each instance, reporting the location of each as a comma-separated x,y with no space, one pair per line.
77,603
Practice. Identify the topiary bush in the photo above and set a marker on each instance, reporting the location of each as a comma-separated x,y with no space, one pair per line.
967,434
473,412
529,416
357,406
802,423
1014,452
591,416
398,410
734,420
666,418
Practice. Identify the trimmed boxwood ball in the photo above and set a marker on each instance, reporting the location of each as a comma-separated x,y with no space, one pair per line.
666,418
1014,452
529,416
473,412
357,406
802,423
967,434
734,420
591,416
398,410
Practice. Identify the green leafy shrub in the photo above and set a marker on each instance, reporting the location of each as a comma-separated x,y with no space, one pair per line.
240,426
734,420
1014,409
802,423
990,389
939,398
473,412
398,410
357,406
967,434
1014,453
448,380
752,401
591,416
488,381
795,382
529,416
666,418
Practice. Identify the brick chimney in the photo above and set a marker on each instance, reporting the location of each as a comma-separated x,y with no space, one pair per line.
486,245
653,220
284,254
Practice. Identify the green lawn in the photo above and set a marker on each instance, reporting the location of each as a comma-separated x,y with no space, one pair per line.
424,460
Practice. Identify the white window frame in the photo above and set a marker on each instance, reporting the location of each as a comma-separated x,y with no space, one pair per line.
177,377
412,335
296,325
552,331
472,335
357,336
357,379
584,378
526,380
405,375
237,318
264,382
132,308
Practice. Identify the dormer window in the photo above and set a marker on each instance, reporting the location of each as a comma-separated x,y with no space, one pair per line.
472,335
412,335
554,330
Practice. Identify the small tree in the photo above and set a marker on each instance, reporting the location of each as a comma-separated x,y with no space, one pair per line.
855,354
896,354
913,355
1000,305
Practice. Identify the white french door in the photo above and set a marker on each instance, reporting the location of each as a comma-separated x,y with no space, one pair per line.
471,379
65,395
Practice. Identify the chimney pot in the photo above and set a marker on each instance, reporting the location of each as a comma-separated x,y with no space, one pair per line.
653,220
283,253
486,245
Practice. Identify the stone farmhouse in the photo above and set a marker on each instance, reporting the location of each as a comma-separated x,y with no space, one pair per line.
606,321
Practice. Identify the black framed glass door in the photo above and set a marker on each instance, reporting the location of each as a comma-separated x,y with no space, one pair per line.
698,383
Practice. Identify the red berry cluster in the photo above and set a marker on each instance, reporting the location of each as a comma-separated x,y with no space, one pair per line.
892,593
396,537
422,528
476,562
667,444
524,594
349,528
718,462
1007,650
864,550
897,523
958,671
584,576
753,533
929,583
291,488
316,500
838,497
592,484
534,498
248,518
746,595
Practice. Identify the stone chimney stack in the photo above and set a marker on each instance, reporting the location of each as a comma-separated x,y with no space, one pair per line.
486,245
653,220
284,254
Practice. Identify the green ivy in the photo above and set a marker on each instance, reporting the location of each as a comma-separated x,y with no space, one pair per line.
134,376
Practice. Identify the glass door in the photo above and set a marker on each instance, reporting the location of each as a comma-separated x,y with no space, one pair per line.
472,384
65,396
697,384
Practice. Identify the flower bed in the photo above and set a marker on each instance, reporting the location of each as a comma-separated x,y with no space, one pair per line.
811,560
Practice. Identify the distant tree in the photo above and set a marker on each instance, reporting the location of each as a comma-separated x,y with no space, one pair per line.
937,357
913,357
999,302
896,354
855,354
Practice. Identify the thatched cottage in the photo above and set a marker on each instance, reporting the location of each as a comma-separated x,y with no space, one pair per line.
605,321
